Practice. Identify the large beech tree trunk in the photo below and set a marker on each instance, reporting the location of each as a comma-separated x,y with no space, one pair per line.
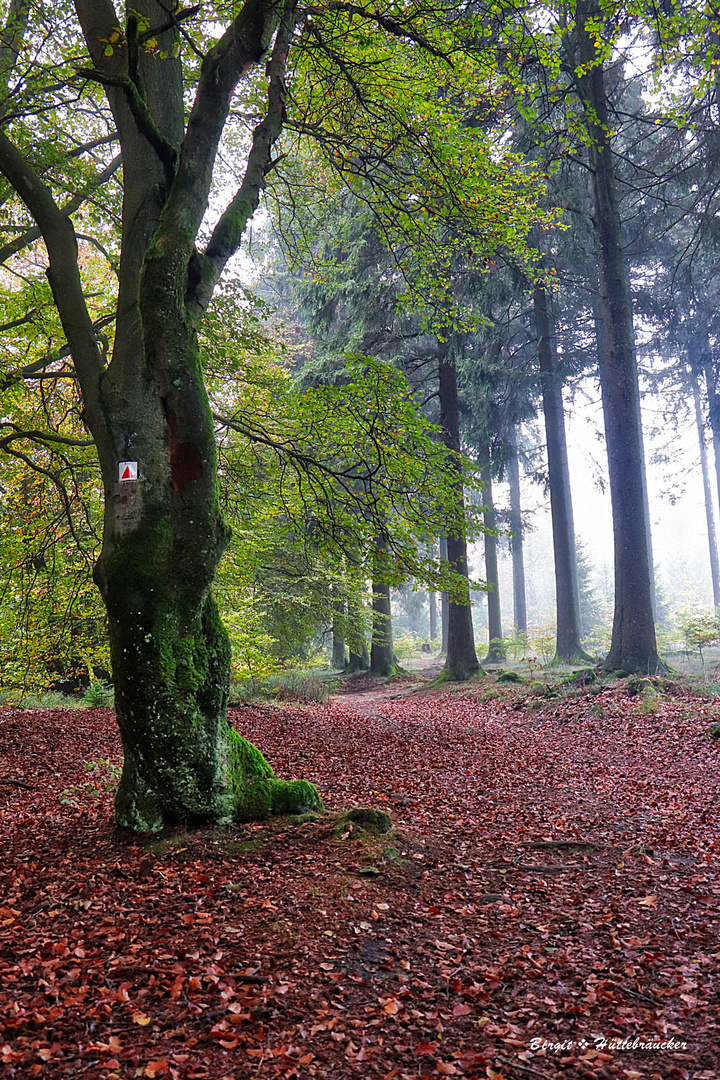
516,540
707,491
496,651
461,660
163,531
633,646
568,649
381,645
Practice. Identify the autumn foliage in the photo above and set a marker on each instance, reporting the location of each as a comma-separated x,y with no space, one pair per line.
552,876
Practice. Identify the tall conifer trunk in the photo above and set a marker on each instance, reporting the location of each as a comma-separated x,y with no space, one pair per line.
381,646
338,634
496,651
633,646
516,540
713,404
567,603
707,492
432,610
461,661
444,603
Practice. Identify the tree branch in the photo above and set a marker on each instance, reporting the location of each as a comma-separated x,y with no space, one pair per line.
141,114
397,29
239,49
38,436
228,232
63,274
31,235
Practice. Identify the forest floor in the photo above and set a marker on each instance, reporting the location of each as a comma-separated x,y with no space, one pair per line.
547,905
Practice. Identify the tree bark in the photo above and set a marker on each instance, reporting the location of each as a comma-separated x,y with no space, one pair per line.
516,540
444,603
358,658
568,649
713,405
381,646
163,531
496,651
432,607
338,634
707,491
633,646
461,660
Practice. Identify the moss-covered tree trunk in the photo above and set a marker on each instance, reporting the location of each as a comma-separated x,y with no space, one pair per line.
148,411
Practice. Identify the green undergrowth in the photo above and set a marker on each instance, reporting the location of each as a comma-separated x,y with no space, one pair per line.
97,696
289,686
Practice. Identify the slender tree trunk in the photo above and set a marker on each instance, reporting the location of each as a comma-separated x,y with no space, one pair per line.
432,606
381,647
633,646
568,647
338,634
359,659
707,490
516,540
496,652
461,662
713,406
444,603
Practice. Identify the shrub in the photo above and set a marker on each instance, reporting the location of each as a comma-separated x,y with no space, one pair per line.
98,696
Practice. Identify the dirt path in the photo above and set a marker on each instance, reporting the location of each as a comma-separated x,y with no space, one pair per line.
552,883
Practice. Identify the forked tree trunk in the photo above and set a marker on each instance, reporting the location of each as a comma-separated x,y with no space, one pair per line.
516,540
461,660
444,603
496,651
707,491
568,649
149,413
381,646
633,646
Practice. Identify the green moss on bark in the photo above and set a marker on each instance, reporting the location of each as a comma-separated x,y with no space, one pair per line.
257,792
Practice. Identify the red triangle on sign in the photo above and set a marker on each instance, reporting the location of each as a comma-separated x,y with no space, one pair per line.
127,475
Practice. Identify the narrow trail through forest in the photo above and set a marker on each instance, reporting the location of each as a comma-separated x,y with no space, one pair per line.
552,882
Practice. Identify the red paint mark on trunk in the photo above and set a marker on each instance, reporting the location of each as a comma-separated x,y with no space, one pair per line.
185,460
